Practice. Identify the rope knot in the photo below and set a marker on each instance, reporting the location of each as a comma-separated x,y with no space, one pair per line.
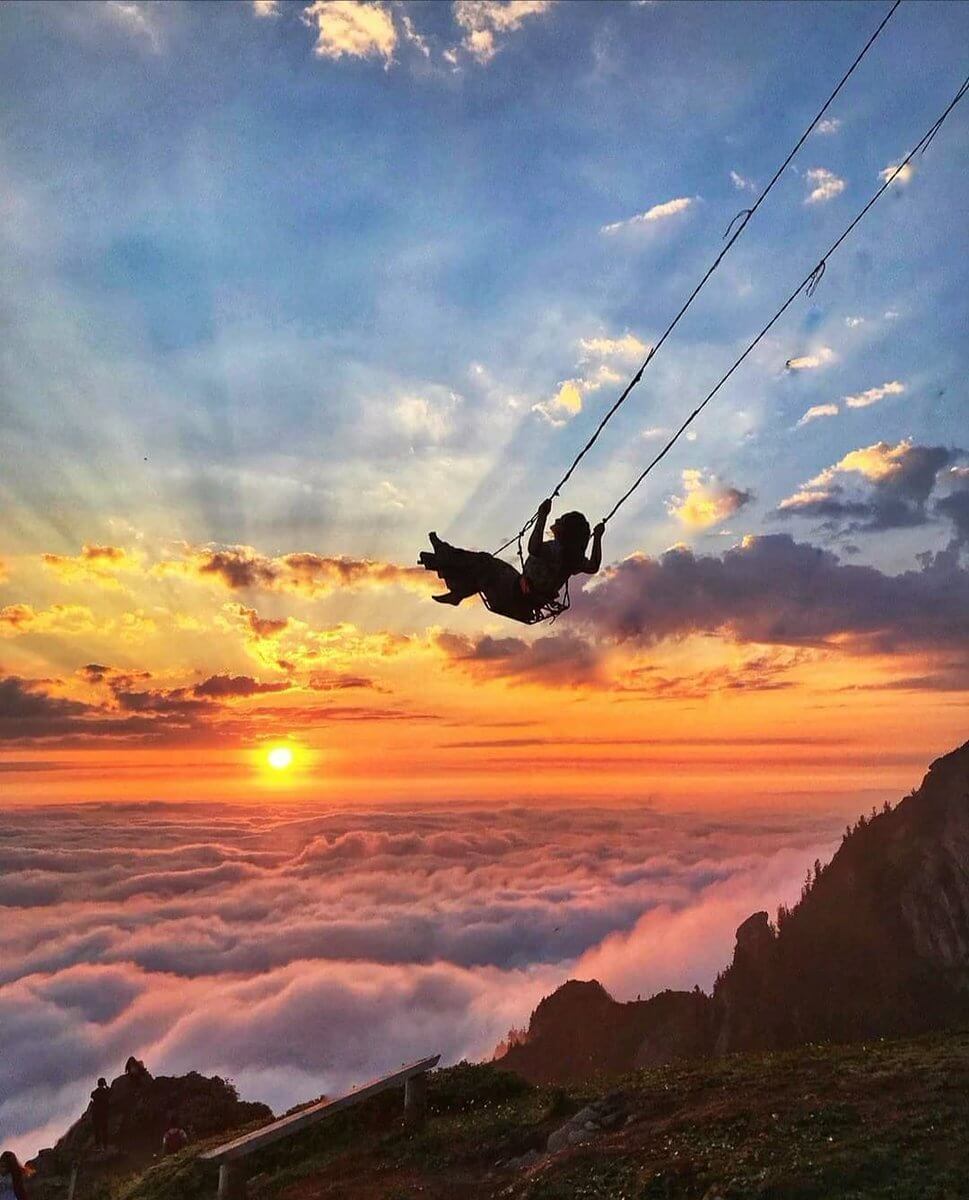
745,213
815,278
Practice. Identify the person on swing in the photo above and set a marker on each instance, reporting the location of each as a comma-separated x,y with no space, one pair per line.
520,596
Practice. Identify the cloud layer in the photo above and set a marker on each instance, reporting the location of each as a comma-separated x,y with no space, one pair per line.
336,943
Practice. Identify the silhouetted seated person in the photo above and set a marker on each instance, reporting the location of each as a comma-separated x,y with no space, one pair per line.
13,1177
136,1071
519,595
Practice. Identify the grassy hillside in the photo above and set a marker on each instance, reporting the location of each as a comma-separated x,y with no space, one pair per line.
887,1119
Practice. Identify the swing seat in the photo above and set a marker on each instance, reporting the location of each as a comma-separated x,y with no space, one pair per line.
550,610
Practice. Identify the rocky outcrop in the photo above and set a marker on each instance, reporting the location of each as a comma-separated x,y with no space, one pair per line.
590,1122
877,946
141,1108
580,1030
737,1020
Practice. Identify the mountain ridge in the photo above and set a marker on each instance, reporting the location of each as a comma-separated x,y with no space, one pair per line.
877,946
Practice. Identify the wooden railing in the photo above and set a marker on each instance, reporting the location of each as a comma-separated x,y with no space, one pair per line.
231,1155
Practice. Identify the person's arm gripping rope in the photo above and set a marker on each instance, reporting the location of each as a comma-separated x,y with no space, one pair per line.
536,538
594,561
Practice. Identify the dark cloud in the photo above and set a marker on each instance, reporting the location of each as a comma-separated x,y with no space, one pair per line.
227,686
954,506
174,702
876,488
775,591
27,711
237,568
94,672
261,627
563,660
174,716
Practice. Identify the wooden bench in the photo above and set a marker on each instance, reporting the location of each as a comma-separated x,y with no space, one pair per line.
232,1172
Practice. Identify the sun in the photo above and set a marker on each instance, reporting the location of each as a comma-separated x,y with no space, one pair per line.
280,758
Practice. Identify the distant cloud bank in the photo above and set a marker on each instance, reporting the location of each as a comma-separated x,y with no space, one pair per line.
300,951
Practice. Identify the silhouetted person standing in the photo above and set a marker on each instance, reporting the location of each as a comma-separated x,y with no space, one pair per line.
100,1110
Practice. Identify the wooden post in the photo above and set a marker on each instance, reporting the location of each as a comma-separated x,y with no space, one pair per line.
415,1100
232,1181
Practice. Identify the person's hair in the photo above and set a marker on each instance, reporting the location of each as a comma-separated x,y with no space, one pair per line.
10,1163
572,532
102,1080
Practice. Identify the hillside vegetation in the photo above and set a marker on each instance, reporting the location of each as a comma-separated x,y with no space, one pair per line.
885,1119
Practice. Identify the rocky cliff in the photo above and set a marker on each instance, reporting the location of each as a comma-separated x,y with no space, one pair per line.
580,1030
877,946
141,1108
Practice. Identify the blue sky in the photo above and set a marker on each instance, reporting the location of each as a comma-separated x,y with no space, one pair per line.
287,285
323,293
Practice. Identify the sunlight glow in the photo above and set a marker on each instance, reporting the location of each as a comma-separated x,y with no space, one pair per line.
280,758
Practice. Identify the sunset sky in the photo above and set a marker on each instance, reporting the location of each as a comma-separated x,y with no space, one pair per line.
287,285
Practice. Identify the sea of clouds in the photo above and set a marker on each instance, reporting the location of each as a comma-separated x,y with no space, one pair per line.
300,954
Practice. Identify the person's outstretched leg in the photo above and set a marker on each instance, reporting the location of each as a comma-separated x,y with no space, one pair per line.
464,571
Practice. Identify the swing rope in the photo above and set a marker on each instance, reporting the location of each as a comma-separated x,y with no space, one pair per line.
808,284
746,215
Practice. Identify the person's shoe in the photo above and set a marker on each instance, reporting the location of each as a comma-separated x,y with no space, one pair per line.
448,598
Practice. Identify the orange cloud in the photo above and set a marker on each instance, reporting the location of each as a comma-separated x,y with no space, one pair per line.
66,620
605,353
241,568
707,501
764,672
292,645
95,564
259,627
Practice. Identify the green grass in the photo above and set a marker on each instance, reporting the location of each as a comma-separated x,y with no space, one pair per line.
879,1121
